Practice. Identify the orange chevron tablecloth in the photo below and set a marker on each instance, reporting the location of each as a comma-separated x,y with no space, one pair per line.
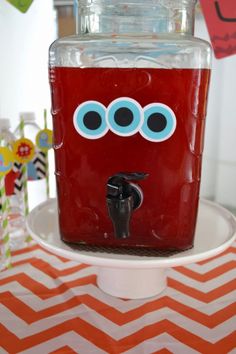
49,304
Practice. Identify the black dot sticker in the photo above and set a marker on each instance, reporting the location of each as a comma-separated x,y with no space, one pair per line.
123,117
157,122
92,120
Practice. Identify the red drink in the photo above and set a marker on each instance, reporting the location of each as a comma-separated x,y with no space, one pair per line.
167,217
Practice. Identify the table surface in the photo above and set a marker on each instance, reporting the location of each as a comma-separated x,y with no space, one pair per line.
49,304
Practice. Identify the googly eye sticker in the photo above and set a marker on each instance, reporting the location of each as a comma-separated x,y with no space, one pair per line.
124,116
90,120
159,122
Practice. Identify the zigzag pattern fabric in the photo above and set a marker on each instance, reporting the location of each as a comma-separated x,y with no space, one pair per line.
18,185
39,162
39,166
52,305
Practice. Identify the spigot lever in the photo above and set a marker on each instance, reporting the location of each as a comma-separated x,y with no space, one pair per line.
123,197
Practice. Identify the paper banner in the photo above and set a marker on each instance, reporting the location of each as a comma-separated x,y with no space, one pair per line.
21,5
220,18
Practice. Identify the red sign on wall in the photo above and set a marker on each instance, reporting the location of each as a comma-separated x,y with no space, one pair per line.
221,22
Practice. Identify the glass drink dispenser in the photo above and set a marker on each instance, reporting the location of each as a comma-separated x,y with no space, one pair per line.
129,96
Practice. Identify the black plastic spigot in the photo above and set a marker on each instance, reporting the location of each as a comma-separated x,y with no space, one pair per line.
123,197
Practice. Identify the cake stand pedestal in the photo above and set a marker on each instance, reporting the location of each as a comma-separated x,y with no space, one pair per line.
134,276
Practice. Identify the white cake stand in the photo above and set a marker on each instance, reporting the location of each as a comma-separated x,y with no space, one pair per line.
135,277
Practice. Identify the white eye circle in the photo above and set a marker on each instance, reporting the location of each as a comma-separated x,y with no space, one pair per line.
124,116
90,120
159,122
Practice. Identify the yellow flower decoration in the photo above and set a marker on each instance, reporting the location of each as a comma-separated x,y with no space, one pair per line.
23,150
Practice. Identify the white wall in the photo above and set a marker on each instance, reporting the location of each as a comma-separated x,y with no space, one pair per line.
24,42
219,167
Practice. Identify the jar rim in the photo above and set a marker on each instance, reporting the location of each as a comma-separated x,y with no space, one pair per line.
134,2
120,16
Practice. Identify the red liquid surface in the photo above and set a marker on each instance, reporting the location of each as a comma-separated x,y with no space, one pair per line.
167,217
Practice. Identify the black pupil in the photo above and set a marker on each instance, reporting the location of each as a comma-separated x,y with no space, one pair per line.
123,117
157,122
92,120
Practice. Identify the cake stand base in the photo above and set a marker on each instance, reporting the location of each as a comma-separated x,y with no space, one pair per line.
132,283
134,276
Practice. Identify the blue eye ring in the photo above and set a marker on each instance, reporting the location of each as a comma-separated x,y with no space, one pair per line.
97,111
132,118
166,126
